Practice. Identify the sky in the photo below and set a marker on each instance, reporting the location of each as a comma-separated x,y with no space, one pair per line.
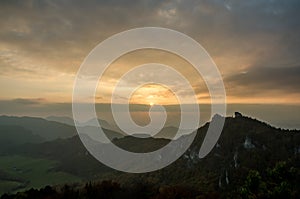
255,44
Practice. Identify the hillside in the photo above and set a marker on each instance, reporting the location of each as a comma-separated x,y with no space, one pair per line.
12,136
48,130
246,147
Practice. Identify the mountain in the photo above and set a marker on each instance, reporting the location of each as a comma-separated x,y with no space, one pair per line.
48,130
52,130
93,131
169,132
246,147
241,137
103,123
61,119
12,136
70,122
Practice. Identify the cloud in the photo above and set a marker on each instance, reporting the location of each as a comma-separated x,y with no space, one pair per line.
265,82
46,39
28,101
59,34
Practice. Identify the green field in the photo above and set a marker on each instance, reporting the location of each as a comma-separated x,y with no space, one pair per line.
25,172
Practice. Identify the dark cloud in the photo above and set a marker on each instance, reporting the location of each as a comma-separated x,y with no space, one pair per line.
59,34
264,80
56,30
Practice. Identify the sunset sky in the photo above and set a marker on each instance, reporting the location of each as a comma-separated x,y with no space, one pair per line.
255,44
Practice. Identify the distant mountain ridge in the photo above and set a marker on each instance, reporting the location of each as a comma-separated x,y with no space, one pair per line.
61,119
50,130
168,132
47,129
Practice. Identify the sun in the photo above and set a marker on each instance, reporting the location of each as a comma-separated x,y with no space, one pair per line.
151,103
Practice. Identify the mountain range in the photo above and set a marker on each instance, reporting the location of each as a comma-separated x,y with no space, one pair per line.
245,144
